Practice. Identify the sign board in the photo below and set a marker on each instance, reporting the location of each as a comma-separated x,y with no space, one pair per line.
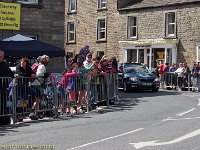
10,16
160,55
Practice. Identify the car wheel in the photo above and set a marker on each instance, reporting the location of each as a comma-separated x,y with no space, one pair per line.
155,90
125,88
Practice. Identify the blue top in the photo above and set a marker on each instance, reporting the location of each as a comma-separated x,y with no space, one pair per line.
172,69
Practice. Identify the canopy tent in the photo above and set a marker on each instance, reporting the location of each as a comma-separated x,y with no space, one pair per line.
19,45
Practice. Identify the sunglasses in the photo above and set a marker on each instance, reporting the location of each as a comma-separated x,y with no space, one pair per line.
89,56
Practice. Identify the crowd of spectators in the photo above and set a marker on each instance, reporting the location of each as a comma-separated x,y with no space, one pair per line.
181,77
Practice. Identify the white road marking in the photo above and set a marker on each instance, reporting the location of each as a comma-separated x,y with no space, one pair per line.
167,119
153,143
102,140
199,102
179,114
186,112
173,119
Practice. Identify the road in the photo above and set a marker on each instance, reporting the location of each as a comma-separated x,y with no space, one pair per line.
166,120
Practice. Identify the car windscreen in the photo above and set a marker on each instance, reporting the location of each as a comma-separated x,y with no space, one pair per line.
134,68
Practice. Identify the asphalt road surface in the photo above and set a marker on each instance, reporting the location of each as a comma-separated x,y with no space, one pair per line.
166,120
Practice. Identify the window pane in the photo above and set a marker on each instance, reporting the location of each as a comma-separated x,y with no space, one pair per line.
72,5
171,18
171,29
141,56
71,37
102,24
132,55
102,3
102,35
132,28
71,27
71,31
133,32
101,29
131,21
134,21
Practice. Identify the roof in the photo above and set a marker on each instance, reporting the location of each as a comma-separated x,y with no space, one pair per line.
137,4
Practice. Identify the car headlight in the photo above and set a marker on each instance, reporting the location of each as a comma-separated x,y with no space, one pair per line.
156,80
134,79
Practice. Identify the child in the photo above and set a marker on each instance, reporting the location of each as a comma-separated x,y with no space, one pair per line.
66,83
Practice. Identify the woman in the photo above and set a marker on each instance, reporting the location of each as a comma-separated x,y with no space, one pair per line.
25,74
180,72
41,70
41,76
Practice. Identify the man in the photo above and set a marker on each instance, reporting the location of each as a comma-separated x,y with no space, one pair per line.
187,73
88,62
5,73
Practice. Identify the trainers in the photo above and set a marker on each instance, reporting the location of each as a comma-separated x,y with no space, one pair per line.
32,116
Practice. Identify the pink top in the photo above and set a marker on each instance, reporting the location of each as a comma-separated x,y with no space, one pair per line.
65,79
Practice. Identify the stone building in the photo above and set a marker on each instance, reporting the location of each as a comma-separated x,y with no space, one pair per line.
93,23
43,20
154,31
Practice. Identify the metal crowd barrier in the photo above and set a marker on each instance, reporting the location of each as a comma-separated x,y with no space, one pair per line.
19,95
185,81
5,99
85,92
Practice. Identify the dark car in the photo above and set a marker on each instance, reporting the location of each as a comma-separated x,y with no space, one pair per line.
137,77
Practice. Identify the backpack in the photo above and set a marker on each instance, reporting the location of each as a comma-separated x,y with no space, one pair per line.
35,67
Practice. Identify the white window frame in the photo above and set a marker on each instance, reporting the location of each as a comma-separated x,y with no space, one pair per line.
71,32
101,30
131,27
167,24
102,4
28,2
70,3
198,52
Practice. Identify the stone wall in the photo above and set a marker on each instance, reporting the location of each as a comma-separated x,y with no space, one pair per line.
151,25
86,27
45,20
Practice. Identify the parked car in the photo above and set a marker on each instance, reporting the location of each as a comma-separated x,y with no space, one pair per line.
135,76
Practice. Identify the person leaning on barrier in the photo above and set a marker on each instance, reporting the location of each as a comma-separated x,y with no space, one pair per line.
26,75
180,72
161,74
172,70
66,83
41,76
196,76
187,75
5,71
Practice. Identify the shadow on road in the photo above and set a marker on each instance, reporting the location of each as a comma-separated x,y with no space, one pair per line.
140,94
127,101
10,128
